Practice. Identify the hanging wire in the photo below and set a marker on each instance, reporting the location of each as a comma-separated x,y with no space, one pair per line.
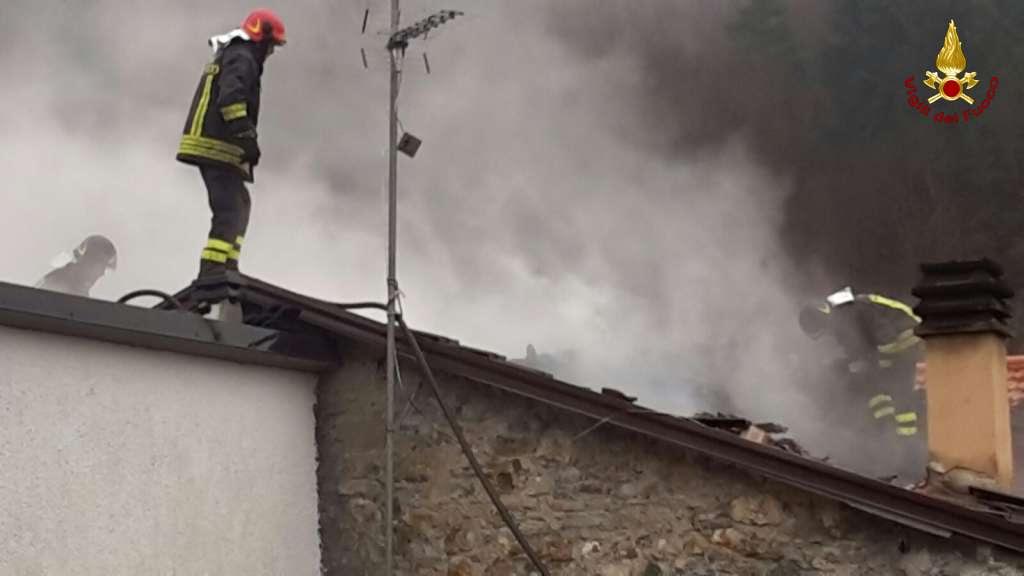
467,450
411,403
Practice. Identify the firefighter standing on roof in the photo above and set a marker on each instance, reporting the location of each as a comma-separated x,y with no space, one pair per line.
880,350
220,132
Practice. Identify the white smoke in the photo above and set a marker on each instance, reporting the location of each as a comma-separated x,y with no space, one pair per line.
538,210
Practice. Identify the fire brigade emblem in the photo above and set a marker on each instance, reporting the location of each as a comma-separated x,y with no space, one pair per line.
951,62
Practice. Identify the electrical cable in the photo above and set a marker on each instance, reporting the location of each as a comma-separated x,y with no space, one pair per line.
359,305
411,403
468,451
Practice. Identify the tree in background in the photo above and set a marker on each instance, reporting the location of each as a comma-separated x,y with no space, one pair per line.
881,188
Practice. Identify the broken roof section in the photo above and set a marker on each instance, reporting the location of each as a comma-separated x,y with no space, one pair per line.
287,311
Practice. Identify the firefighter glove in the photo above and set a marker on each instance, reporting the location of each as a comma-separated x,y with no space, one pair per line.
250,150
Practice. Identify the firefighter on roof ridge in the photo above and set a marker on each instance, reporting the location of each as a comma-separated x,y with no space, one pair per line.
220,132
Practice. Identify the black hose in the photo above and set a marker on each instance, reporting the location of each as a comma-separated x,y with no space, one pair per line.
168,298
468,451
149,292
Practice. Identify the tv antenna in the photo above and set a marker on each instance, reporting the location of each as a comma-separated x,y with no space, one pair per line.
397,43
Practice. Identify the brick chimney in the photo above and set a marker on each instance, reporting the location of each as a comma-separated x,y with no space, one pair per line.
964,324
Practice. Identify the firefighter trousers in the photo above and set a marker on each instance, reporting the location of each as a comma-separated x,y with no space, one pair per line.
230,204
894,420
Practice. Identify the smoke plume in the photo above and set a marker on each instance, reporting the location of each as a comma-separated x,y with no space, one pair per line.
655,188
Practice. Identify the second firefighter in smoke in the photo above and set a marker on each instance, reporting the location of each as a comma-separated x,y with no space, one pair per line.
879,352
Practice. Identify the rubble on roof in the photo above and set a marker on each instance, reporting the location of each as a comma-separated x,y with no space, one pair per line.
964,487
618,395
760,433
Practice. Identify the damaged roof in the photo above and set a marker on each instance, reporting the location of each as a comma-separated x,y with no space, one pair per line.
997,519
290,330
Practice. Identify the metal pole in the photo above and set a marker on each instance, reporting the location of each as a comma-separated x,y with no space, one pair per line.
392,295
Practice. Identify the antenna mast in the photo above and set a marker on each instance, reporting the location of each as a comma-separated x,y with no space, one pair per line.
398,41
389,448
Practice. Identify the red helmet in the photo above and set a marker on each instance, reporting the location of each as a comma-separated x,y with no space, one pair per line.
262,21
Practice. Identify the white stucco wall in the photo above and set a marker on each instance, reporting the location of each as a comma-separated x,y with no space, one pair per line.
118,460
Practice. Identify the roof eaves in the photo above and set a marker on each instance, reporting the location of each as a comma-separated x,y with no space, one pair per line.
54,312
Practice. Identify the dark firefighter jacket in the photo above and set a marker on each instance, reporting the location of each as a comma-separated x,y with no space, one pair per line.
229,90
875,329
877,336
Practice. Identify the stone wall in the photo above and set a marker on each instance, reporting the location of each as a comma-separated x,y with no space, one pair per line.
591,500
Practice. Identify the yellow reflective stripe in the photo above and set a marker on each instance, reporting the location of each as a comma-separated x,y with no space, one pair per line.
234,255
894,304
907,431
209,153
203,142
204,102
187,147
906,417
218,244
239,240
905,340
876,400
887,411
215,256
234,111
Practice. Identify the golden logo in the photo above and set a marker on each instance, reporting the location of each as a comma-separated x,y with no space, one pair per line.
951,62
256,26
